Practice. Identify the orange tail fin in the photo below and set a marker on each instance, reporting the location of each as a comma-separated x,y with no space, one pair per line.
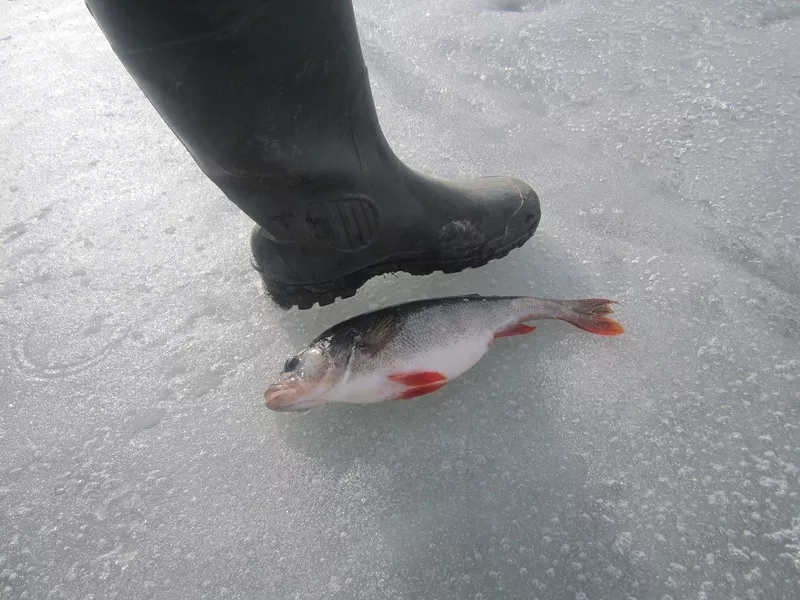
590,315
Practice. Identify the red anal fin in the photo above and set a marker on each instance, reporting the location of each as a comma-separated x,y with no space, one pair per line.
416,379
516,329
421,390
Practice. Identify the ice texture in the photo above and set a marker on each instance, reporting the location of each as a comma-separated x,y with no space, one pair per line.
137,459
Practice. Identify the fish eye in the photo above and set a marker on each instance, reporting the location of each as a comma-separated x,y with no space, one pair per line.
291,364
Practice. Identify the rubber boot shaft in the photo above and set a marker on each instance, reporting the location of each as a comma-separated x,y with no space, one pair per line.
275,90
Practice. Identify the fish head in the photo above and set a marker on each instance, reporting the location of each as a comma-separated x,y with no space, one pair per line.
305,380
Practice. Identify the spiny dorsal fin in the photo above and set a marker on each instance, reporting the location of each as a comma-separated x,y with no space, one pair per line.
383,331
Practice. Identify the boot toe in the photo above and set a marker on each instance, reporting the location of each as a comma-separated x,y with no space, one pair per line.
518,205
499,211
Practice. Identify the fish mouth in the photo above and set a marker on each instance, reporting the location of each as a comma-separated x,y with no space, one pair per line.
285,397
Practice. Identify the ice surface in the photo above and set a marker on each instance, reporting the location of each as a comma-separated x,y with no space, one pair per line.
137,459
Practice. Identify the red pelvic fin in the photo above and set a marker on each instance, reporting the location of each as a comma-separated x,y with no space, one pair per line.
418,383
421,390
516,329
418,378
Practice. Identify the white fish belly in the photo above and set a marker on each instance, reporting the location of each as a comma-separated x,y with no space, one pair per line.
451,360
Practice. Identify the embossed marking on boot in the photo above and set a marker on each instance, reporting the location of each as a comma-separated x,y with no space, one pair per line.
347,224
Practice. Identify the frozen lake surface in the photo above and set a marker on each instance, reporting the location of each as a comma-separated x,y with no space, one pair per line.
137,459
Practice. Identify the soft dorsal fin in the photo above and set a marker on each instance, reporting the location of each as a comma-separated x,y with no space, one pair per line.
383,331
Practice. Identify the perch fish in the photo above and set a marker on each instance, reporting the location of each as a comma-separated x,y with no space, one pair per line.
412,349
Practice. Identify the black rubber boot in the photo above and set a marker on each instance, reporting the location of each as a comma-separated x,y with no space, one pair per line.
272,100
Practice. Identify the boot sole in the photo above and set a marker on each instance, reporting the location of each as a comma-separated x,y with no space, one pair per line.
305,296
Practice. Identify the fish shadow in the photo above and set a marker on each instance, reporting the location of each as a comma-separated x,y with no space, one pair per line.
477,479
